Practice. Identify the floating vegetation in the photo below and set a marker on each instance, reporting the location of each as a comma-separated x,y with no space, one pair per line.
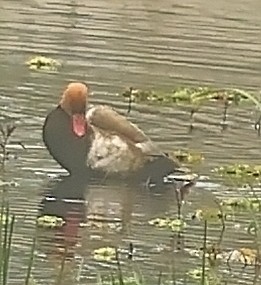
96,222
8,183
196,96
185,156
175,225
105,253
5,219
123,280
245,256
208,214
239,170
242,203
191,95
240,174
43,63
50,221
195,273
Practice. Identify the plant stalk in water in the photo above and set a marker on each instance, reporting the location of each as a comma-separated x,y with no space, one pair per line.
130,100
6,132
30,264
6,234
120,274
60,276
204,254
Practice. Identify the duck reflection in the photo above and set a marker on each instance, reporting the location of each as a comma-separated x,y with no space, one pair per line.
100,214
63,208
76,209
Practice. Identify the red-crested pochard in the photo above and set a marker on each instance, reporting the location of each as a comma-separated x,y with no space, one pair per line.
98,139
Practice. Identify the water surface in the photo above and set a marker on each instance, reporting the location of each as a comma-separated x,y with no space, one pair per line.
113,45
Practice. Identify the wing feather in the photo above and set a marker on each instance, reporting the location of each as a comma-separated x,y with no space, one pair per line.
106,118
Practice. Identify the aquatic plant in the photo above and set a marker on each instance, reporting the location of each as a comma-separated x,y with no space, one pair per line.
48,221
7,222
210,214
43,63
242,204
6,131
240,175
191,95
104,253
196,97
187,156
168,223
239,170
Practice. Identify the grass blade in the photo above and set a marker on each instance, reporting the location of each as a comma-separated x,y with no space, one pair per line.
1,247
60,276
204,254
9,244
30,264
5,246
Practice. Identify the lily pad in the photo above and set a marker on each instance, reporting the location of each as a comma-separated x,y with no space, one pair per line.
175,225
50,221
105,253
43,63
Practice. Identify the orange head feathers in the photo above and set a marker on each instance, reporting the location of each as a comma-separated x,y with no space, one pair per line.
73,102
74,98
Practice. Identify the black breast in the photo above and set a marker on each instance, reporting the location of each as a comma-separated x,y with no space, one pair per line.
66,148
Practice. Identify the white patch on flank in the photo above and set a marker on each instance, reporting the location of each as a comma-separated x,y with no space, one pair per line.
111,153
90,112
146,146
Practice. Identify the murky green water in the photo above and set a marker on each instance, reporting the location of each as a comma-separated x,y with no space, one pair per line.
113,45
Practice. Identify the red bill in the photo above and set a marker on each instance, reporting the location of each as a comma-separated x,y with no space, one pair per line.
79,125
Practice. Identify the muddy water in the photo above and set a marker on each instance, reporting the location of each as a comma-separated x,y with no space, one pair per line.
113,45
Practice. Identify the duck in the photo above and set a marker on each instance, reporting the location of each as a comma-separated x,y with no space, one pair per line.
89,140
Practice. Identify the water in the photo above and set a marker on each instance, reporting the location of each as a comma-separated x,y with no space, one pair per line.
113,45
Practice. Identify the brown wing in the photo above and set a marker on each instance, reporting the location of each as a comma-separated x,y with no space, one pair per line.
105,118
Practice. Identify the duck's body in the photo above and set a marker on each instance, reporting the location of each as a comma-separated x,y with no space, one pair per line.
101,140
118,146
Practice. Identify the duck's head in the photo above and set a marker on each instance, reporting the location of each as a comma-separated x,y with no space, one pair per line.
73,102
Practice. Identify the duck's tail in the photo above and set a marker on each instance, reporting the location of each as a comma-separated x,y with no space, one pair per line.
163,170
